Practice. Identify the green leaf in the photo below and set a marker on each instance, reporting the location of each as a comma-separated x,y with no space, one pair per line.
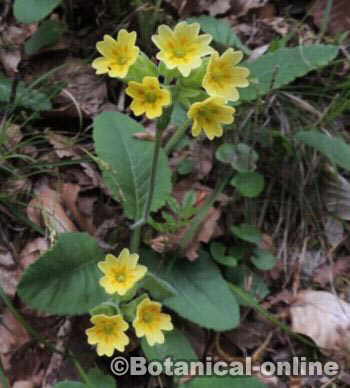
99,379
247,233
243,275
333,148
30,11
217,251
249,184
141,68
220,30
96,378
203,296
65,280
242,157
263,259
157,287
47,35
127,163
224,382
283,66
176,346
25,97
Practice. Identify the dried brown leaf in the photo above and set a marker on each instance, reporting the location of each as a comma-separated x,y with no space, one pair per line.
12,335
209,229
46,210
323,317
69,196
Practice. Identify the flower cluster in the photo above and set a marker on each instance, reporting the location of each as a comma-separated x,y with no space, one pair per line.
182,53
121,279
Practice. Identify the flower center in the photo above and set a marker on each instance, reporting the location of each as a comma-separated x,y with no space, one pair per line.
151,97
108,329
120,278
148,317
179,52
122,60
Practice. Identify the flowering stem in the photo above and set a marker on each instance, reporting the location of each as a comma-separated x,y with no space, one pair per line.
176,137
203,211
136,236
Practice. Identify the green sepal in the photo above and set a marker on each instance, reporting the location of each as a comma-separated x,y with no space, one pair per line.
107,308
129,310
141,68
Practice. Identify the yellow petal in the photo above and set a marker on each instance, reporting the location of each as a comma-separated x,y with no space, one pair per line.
104,349
196,129
101,65
239,76
155,338
153,111
137,107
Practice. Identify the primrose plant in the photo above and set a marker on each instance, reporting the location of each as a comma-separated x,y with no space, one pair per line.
182,54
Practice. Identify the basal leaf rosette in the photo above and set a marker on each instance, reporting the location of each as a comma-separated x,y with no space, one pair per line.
117,55
108,334
121,273
183,47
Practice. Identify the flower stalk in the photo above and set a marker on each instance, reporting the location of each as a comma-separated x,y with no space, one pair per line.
136,227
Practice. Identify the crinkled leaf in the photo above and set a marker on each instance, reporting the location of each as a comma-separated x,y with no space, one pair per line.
240,156
65,279
283,66
127,162
263,259
176,346
249,184
30,11
220,30
157,287
224,382
247,233
47,35
333,147
203,296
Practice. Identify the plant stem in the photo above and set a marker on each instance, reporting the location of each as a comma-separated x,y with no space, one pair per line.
136,235
203,211
176,137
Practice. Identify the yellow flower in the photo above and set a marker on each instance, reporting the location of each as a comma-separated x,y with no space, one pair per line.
121,273
208,115
108,334
148,97
183,47
117,55
223,76
150,322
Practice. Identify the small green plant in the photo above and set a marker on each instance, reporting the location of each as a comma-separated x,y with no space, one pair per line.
194,86
180,215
